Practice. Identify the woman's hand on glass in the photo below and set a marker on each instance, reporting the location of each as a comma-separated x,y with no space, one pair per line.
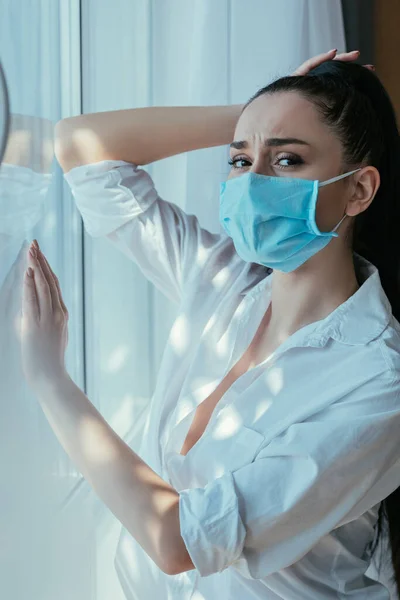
44,324
315,61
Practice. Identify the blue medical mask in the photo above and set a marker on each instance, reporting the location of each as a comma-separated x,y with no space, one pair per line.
271,220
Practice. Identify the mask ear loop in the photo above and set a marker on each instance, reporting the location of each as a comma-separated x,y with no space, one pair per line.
333,232
333,179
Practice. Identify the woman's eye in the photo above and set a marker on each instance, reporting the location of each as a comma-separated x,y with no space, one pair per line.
290,162
283,165
293,160
233,163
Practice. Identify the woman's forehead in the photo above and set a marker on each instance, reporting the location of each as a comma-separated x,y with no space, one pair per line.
282,114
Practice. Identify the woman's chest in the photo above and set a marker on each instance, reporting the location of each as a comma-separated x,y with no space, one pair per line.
246,410
258,351
205,409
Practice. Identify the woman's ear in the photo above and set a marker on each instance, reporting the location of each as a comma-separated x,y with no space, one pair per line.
366,184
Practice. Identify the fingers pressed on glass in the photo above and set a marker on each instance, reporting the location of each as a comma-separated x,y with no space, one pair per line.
30,301
50,278
42,286
57,284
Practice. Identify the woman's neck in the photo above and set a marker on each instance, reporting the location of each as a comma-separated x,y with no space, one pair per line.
311,292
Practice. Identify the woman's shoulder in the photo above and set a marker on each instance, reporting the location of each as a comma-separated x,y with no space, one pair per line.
389,345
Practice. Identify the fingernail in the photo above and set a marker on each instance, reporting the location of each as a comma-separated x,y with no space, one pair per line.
36,243
32,252
333,50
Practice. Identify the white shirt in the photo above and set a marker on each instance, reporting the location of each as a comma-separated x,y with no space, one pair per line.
279,497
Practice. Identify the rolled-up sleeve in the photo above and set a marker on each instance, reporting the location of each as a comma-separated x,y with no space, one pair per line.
118,200
312,478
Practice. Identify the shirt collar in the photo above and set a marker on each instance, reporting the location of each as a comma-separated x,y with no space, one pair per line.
358,320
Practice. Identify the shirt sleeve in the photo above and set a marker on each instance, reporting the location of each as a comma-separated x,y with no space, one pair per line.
118,200
312,478
23,194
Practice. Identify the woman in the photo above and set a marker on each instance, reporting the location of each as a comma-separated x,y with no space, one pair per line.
272,443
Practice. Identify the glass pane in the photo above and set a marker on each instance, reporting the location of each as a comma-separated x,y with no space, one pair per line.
39,556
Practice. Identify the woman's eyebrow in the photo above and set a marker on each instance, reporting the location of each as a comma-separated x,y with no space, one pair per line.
270,142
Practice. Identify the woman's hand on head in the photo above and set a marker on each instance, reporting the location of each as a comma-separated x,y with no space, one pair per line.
315,61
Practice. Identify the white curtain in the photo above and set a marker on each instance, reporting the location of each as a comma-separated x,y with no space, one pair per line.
58,539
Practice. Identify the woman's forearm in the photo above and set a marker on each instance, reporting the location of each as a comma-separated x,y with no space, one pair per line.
143,135
141,500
